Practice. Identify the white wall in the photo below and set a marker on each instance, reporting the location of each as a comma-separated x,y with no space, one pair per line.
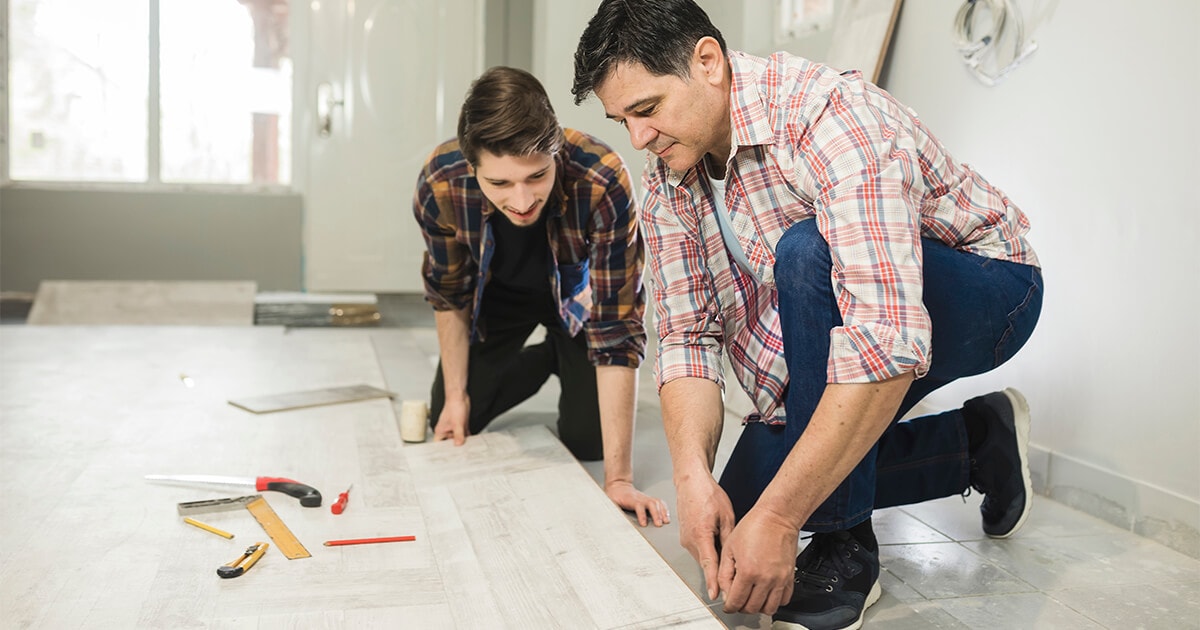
79,234
1096,138
556,30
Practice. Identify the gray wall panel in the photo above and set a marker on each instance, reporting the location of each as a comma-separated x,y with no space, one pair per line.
116,235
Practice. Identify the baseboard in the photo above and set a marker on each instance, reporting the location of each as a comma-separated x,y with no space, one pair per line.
1144,509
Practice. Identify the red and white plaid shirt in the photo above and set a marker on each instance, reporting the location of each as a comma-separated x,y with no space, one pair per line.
810,142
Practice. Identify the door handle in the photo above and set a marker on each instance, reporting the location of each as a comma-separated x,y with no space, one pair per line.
327,100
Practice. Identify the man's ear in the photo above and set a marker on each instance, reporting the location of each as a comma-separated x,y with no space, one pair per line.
708,62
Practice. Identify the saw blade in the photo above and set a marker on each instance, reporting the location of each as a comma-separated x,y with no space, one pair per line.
216,505
206,479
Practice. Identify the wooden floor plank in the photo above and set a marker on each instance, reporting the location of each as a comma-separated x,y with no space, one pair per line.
603,561
510,531
522,501
95,302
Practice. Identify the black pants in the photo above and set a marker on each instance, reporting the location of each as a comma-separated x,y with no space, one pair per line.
503,372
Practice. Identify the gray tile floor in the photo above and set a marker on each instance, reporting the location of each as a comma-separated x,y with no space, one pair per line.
1064,569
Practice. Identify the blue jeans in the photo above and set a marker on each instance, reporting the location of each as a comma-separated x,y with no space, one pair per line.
982,310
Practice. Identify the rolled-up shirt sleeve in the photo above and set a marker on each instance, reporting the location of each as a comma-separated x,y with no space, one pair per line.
686,312
448,269
615,327
867,178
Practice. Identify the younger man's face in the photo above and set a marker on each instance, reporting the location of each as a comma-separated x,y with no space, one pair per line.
517,186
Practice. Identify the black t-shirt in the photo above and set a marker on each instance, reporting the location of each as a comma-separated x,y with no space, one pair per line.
519,287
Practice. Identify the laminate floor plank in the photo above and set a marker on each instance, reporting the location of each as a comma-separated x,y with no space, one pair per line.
602,569
510,530
467,588
99,302
523,505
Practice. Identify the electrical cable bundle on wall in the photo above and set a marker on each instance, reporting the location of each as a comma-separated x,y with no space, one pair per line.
979,49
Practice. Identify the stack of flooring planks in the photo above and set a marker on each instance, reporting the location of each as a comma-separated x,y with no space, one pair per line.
63,302
316,309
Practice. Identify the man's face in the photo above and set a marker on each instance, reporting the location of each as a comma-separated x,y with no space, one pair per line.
518,186
677,120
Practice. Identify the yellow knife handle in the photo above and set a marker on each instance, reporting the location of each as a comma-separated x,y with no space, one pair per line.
243,563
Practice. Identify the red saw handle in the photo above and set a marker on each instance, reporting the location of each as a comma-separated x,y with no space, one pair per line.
308,495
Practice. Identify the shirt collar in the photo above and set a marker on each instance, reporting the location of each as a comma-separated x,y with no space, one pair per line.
748,115
750,124
558,195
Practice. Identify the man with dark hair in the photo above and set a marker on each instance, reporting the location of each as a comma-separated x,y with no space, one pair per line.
804,222
529,224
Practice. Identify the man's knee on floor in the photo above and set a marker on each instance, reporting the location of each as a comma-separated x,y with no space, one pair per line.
585,450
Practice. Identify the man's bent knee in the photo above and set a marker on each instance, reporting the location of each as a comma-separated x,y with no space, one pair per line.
802,256
585,450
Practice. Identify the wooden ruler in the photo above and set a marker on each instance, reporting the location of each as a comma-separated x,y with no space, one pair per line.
262,512
285,541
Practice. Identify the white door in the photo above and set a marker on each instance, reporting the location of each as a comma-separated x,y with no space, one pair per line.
383,86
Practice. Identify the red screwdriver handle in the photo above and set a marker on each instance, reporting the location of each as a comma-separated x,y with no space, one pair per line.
308,495
339,506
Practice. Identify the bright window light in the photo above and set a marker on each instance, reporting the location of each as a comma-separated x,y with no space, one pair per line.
78,85
226,92
80,90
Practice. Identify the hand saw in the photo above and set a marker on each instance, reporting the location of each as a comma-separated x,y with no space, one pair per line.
309,496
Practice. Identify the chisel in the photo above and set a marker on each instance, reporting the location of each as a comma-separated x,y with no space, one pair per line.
309,497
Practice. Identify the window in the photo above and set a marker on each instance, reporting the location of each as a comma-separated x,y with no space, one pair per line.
78,85
157,91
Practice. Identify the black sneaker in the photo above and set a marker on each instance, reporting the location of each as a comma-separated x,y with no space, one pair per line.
1000,466
836,580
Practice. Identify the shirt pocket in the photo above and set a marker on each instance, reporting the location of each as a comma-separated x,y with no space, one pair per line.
573,278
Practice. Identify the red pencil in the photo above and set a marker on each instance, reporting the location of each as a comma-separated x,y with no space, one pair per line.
369,541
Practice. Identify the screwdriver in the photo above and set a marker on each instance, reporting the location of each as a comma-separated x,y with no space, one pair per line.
340,505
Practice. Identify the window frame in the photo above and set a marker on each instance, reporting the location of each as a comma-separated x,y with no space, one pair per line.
153,181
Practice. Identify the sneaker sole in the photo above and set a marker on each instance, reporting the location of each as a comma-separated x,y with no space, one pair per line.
872,597
1021,423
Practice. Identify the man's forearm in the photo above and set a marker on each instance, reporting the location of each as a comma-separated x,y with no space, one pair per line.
692,418
849,420
616,386
453,330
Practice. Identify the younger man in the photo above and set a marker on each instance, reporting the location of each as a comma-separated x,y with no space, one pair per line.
529,224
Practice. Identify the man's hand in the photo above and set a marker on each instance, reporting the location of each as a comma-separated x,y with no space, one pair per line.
630,499
705,522
758,564
453,421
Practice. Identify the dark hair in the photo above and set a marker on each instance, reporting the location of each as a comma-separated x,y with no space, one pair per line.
658,34
507,112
